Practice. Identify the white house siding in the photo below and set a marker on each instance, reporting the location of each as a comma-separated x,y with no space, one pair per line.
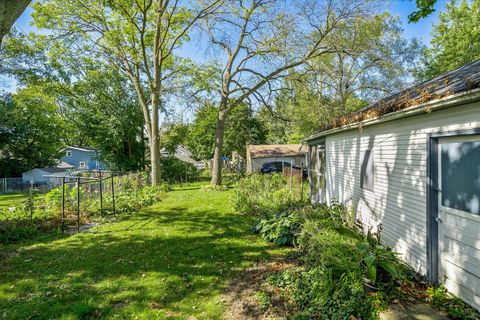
399,200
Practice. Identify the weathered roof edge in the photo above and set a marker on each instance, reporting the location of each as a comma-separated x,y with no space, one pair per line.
463,79
426,107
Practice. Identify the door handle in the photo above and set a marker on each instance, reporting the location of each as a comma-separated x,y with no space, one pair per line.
438,220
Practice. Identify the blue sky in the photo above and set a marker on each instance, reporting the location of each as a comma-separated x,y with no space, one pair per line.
402,8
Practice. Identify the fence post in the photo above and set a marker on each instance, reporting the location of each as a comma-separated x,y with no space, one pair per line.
301,182
101,193
291,174
113,195
63,204
78,204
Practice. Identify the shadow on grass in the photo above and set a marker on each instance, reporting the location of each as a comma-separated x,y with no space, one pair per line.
171,263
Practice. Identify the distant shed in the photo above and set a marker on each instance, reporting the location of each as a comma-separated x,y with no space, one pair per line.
44,175
257,155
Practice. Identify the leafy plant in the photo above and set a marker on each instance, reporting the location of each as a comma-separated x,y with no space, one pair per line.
262,193
380,263
281,229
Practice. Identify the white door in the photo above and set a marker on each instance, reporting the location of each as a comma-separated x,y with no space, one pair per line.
459,217
317,173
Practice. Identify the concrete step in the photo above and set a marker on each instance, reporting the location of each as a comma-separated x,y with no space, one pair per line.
417,311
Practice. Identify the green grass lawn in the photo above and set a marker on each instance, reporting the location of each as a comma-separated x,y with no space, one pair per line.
169,261
12,200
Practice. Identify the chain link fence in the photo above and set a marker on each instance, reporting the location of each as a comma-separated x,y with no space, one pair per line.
74,204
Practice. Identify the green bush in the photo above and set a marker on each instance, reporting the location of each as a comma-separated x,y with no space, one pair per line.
281,229
331,282
35,216
262,193
174,170
129,202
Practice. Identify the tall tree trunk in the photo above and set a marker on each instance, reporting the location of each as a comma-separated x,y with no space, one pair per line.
217,156
10,11
155,141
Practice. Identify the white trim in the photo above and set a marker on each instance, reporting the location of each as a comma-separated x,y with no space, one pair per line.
446,102
78,148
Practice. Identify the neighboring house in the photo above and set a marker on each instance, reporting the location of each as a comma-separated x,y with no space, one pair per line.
39,176
183,154
410,163
81,158
259,154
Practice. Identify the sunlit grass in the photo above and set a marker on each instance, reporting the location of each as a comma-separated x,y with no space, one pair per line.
11,200
169,261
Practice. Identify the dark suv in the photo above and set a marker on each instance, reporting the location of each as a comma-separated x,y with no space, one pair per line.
277,166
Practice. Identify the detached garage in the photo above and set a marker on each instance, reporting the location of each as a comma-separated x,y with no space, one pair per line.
259,154
409,165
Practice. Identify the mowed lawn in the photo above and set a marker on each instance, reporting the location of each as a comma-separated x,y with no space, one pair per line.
169,261
11,200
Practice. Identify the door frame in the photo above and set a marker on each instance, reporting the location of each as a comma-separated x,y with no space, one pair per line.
433,194
314,144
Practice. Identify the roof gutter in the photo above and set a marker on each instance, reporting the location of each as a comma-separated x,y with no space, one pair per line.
433,105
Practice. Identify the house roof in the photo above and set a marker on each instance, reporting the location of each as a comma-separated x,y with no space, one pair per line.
181,153
87,149
51,170
460,80
275,150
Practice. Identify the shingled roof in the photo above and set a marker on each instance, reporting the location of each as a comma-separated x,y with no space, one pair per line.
460,80
276,150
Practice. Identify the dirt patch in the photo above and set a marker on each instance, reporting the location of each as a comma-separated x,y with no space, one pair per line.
250,297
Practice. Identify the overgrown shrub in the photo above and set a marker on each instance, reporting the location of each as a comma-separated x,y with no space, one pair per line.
262,193
129,202
174,170
35,216
331,282
281,228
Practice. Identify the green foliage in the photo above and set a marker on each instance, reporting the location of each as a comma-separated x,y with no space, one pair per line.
281,228
425,8
242,128
173,136
30,131
378,261
379,61
454,307
27,220
454,38
331,283
130,202
175,170
261,193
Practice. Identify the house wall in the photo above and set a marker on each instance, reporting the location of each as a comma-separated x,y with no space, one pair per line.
399,198
35,175
255,164
78,155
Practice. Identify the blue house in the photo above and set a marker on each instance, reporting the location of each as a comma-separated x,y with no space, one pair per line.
82,158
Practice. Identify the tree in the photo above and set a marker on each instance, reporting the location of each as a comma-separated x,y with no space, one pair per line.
174,135
103,113
262,40
455,39
139,38
10,10
242,128
30,131
95,101
376,61
425,8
